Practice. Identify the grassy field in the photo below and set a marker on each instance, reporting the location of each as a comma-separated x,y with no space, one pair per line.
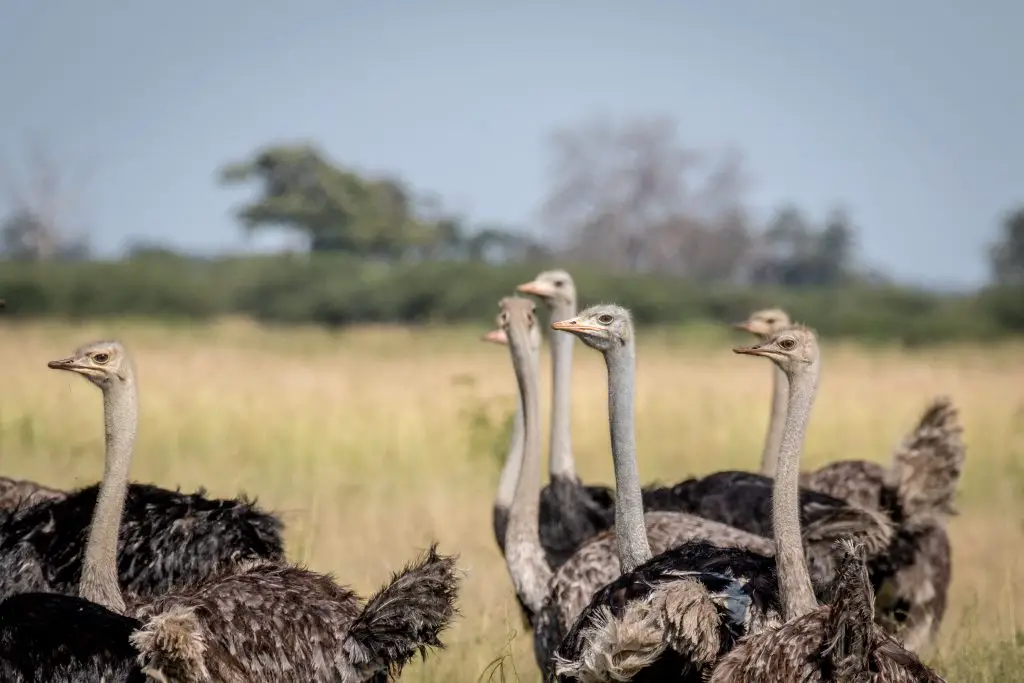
374,442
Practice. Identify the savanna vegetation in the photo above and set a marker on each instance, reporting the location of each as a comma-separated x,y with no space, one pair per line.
375,441
343,381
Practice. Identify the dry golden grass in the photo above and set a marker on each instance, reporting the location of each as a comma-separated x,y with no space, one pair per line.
375,442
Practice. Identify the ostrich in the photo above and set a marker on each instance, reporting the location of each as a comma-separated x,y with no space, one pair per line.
262,620
550,526
764,323
916,491
168,539
514,458
676,614
930,457
836,642
571,512
555,598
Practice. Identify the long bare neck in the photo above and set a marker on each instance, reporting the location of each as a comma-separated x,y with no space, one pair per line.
561,462
509,478
524,555
99,582
630,530
776,422
794,580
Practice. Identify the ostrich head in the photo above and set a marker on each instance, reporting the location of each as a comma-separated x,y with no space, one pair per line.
102,362
600,327
553,286
511,305
791,349
498,334
765,322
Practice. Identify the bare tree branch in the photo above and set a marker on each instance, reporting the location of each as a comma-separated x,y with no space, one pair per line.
629,195
45,203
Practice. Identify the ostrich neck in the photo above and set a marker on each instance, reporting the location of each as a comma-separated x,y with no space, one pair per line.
513,464
794,580
630,530
776,422
561,462
524,555
99,581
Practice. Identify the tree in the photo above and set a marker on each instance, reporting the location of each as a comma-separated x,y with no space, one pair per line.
629,195
44,205
794,252
336,208
1006,256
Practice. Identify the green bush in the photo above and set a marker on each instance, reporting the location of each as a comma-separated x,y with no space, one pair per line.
342,290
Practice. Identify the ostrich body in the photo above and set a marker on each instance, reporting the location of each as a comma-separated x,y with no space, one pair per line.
837,642
676,614
555,598
917,492
261,620
167,539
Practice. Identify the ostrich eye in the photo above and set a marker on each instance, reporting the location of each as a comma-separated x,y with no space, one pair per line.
100,358
559,283
787,344
605,319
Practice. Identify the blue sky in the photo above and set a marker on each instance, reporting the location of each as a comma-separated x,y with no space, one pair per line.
907,113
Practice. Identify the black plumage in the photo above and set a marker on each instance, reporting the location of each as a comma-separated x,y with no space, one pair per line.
570,513
167,539
52,638
743,585
743,500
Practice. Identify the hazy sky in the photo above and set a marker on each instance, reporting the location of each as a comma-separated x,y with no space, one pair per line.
909,113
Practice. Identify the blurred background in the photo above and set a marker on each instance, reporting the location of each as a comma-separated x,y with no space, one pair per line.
331,192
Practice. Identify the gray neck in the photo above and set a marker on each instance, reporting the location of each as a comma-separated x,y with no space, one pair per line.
776,422
794,580
561,462
524,555
630,530
513,464
99,582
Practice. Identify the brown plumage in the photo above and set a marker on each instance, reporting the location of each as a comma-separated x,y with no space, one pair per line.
273,622
838,643
15,493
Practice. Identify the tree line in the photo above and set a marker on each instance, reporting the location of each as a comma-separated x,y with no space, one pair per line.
639,216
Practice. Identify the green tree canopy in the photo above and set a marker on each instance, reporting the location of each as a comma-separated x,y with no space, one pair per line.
1006,256
336,208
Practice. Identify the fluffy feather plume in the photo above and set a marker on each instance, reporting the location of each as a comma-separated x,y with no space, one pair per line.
848,627
406,616
926,467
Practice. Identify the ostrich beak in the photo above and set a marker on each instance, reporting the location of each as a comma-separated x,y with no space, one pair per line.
496,336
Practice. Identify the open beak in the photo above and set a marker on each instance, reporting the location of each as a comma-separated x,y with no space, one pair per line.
535,288
497,336
62,364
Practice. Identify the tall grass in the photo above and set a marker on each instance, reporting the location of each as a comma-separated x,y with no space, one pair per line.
373,443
